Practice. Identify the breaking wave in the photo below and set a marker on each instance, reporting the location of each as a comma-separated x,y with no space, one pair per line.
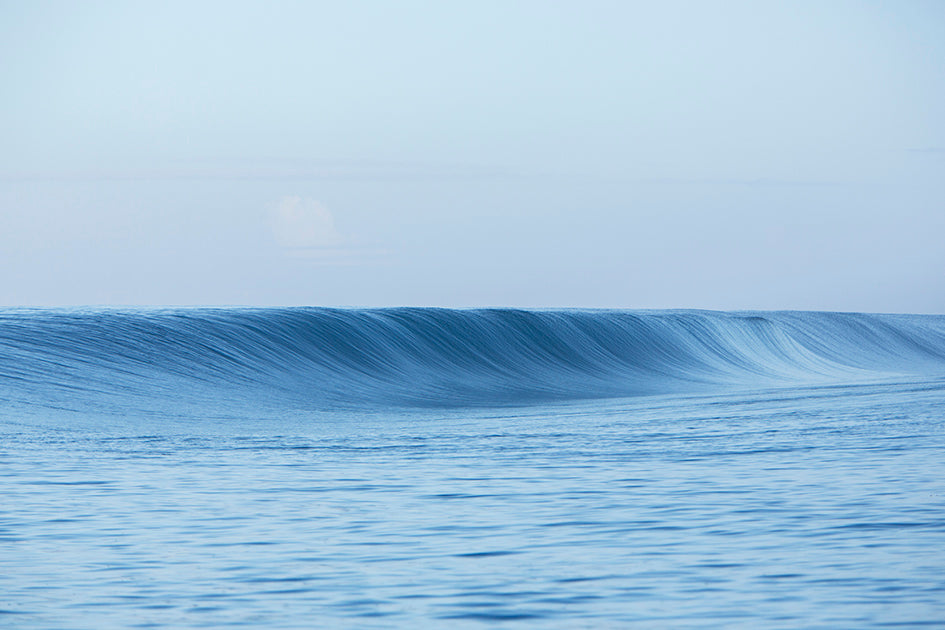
322,358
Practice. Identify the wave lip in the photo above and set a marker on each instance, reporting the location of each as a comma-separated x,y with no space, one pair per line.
323,358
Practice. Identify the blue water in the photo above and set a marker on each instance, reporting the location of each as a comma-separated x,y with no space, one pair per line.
291,468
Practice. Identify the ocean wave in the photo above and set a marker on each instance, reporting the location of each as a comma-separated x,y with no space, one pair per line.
324,358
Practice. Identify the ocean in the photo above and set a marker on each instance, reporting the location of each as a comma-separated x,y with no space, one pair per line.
429,468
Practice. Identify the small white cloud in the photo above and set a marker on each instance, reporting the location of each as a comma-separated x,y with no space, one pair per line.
299,223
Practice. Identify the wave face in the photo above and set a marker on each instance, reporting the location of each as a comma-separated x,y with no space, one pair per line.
321,358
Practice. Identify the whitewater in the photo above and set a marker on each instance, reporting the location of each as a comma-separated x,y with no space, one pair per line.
416,467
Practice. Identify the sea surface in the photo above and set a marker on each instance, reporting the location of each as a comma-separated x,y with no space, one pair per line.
429,468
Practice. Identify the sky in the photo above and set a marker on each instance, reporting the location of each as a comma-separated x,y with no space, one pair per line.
712,155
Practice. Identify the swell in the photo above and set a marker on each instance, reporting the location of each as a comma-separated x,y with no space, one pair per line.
324,358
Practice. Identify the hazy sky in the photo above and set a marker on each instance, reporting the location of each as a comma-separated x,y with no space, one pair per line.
731,155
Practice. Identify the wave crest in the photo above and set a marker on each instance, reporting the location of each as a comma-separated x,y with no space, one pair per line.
323,358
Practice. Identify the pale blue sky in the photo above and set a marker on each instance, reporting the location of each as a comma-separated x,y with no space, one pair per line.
724,155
